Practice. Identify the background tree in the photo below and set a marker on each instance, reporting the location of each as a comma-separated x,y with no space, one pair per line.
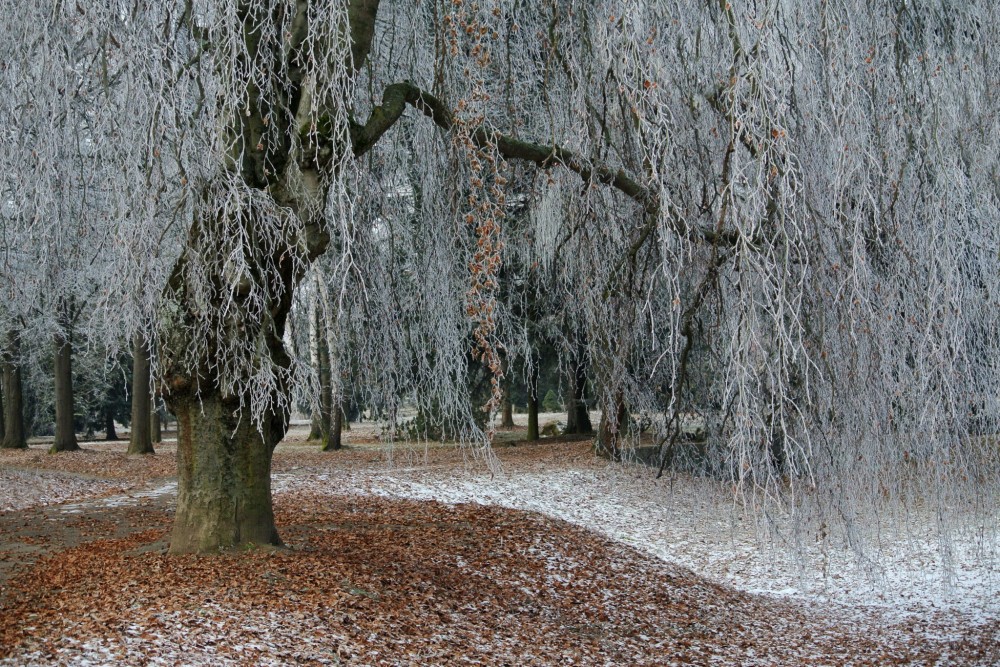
141,436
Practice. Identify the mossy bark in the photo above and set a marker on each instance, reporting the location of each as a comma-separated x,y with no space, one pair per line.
65,440
224,475
225,443
140,441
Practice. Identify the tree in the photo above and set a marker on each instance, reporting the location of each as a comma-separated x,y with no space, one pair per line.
141,437
781,214
65,435
14,435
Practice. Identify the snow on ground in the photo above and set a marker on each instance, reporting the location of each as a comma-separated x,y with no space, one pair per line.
28,488
690,522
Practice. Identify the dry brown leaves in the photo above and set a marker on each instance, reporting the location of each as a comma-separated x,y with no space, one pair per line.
375,581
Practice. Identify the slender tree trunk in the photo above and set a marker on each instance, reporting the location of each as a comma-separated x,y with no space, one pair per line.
65,440
577,416
109,424
507,419
609,435
3,427
327,405
533,404
140,441
316,429
13,408
334,441
155,428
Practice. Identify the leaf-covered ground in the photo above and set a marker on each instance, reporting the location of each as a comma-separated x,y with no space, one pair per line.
374,576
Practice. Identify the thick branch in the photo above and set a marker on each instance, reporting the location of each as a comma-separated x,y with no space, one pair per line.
396,96
361,15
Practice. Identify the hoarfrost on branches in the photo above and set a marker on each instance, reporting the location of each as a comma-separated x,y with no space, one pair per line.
776,218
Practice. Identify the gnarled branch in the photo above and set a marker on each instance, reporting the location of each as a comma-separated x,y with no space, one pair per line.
397,96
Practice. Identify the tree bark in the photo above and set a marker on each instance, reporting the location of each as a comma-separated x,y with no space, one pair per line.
327,406
223,475
223,452
319,429
13,407
155,427
109,425
334,440
609,433
65,440
507,411
577,416
140,441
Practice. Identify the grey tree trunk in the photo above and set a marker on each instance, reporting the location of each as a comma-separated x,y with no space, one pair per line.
140,441
13,407
156,428
326,402
65,440
533,405
224,456
610,432
334,439
318,430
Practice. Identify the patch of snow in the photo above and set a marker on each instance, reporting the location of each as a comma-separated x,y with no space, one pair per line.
691,523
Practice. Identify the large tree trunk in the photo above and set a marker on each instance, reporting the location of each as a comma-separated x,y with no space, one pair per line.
222,325
223,452
140,441
65,440
223,475
13,408
226,431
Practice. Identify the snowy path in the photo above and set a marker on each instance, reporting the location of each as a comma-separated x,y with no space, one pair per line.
690,524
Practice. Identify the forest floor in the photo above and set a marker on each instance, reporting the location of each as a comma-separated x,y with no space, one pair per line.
426,556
